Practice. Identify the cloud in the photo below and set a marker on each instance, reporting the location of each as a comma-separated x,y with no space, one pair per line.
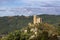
40,3
29,3
8,7
29,11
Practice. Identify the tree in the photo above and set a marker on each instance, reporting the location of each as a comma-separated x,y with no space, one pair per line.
44,35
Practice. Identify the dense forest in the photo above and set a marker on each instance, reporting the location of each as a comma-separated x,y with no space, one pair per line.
12,23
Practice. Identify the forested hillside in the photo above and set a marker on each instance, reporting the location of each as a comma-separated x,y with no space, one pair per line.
11,23
41,31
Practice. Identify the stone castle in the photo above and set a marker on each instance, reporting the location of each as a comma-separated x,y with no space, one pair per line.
36,19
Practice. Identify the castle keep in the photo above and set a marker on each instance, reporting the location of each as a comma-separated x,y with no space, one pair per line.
36,19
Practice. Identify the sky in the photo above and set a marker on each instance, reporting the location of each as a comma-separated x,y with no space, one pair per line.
6,5
28,3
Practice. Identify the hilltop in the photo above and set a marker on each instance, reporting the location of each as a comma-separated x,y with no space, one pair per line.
40,31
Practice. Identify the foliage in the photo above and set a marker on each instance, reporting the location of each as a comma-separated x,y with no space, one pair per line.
31,33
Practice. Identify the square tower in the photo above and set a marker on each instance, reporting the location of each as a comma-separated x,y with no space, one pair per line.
34,19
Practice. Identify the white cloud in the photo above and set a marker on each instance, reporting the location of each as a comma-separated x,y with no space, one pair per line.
39,3
28,3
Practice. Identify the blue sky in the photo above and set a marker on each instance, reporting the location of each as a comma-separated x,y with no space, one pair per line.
28,3
6,5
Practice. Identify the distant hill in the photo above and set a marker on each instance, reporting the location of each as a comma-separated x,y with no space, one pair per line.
11,23
51,19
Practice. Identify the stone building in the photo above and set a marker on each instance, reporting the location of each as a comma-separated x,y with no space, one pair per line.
36,19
